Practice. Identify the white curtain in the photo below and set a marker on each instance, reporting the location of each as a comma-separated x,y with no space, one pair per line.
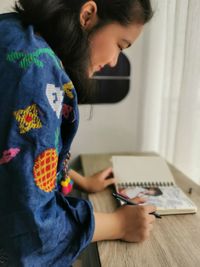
170,105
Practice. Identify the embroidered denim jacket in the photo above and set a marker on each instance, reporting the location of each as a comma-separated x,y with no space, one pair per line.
38,120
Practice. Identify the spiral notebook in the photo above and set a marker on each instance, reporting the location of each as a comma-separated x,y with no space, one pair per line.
150,178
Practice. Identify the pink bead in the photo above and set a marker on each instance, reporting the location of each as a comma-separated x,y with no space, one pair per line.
66,189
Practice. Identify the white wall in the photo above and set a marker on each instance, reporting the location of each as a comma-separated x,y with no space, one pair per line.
113,128
6,5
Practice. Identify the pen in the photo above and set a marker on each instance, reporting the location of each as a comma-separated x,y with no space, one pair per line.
129,202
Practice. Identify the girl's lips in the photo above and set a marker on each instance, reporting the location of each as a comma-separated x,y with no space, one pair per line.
99,68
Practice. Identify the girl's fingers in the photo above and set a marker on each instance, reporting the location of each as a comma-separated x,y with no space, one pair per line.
150,208
138,200
107,173
110,181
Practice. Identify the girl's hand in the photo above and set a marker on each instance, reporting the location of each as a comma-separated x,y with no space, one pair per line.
99,181
139,200
128,223
136,222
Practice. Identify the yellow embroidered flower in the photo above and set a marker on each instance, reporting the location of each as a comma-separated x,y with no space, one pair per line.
28,119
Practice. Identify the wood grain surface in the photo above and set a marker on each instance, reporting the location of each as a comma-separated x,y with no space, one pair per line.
175,239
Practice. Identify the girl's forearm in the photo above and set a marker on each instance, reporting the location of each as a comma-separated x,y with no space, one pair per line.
78,179
107,227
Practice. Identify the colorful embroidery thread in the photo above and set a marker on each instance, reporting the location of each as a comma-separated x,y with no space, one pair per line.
66,110
27,59
28,119
8,155
45,167
68,87
55,96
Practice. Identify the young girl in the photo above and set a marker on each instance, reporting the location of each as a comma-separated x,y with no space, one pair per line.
48,51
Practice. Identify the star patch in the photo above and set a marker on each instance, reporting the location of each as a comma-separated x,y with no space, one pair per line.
28,119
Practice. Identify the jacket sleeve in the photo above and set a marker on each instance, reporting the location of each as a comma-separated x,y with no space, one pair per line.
37,224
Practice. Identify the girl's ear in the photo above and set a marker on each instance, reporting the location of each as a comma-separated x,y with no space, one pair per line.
88,15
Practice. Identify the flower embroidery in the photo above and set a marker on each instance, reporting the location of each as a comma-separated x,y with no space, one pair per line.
28,119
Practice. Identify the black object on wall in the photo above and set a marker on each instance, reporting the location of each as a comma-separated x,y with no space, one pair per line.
113,84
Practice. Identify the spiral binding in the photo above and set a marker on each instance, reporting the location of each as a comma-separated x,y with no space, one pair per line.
145,184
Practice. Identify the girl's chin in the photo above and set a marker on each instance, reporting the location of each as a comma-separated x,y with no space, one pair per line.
90,73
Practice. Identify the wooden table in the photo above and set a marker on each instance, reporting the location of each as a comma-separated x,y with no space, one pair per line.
174,242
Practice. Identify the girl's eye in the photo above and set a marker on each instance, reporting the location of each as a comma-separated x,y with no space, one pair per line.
120,48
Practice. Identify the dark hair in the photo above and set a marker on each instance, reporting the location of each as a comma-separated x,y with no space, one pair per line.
58,23
157,191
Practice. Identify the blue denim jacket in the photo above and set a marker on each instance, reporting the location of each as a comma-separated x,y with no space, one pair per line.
38,121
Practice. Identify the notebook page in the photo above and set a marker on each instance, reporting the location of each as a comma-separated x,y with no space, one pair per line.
167,199
140,169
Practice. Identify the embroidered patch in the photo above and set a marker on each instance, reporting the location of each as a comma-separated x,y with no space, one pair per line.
55,96
27,59
8,155
68,87
66,110
28,119
45,169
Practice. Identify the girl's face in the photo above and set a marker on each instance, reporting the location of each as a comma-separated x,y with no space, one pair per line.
108,42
